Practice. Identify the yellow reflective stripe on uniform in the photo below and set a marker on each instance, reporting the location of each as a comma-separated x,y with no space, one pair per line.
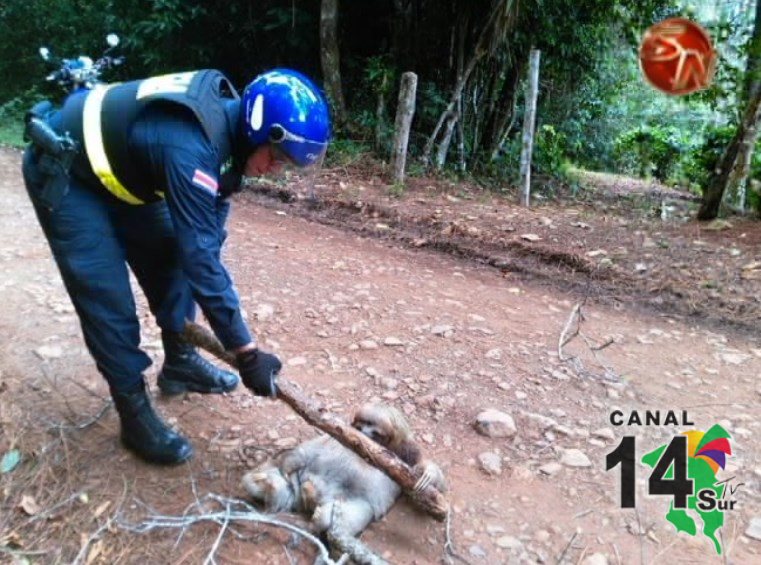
96,151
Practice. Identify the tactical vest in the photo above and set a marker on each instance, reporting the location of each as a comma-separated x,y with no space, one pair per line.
103,117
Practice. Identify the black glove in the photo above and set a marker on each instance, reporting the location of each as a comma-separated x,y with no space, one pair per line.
258,371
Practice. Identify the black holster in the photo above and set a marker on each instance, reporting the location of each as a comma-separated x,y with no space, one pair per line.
55,154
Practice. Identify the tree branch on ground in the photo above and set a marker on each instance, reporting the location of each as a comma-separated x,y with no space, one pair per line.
570,331
233,510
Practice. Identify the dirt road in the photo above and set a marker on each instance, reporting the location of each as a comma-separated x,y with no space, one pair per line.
357,319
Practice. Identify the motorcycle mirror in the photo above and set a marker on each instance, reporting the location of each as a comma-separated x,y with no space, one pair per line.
45,53
112,39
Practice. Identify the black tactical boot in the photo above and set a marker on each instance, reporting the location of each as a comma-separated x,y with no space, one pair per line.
145,433
185,370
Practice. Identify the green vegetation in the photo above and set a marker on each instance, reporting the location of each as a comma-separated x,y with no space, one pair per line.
595,110
11,133
11,122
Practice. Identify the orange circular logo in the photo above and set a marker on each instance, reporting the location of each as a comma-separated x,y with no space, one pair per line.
677,56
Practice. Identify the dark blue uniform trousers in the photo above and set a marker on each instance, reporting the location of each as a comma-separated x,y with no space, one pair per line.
94,237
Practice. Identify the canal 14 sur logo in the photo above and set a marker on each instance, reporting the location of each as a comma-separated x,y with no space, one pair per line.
685,470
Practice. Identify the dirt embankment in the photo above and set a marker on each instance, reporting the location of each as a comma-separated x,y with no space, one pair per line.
617,240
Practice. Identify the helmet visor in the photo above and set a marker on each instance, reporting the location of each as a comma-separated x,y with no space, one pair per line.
271,165
304,179
302,151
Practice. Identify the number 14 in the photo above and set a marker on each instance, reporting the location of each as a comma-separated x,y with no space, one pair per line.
674,457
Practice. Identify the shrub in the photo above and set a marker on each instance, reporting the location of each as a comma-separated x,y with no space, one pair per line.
12,117
344,152
754,195
648,151
550,151
698,165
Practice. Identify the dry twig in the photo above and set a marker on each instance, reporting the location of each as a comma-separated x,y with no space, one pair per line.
233,510
564,336
48,512
618,555
87,422
567,547
449,551
210,557
23,552
105,526
569,332
583,555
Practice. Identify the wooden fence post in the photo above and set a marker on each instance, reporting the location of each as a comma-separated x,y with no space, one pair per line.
404,112
529,121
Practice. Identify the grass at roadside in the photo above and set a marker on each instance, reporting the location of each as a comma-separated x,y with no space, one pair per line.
11,132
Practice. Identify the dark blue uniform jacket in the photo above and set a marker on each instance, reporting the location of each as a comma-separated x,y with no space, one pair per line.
170,145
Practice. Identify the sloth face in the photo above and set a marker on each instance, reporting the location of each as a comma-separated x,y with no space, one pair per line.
372,430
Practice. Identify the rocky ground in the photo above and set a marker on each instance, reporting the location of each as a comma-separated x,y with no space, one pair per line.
414,302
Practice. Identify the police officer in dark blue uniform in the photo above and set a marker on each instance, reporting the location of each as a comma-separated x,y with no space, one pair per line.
149,191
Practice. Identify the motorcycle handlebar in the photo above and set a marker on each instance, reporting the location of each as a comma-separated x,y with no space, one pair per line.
73,73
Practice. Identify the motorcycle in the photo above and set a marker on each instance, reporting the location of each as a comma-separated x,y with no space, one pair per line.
75,76
82,72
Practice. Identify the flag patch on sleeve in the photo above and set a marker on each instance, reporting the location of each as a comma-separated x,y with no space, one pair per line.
205,181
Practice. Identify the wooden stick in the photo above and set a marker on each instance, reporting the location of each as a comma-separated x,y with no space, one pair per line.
430,500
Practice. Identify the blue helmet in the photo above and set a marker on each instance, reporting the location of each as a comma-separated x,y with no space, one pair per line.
285,108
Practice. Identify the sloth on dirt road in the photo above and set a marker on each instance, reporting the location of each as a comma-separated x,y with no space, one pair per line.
320,473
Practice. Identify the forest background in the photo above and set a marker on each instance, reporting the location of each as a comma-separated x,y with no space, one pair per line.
595,110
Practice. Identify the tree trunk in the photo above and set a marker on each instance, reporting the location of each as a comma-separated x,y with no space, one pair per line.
735,194
430,499
380,112
455,117
734,166
492,101
403,38
476,97
504,116
529,121
404,113
441,154
730,168
506,128
331,60
753,65
462,78
460,140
